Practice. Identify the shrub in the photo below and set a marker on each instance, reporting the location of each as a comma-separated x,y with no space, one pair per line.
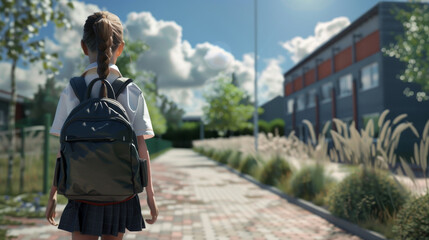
279,124
234,159
274,171
217,155
309,182
225,156
248,165
209,152
412,221
366,194
263,126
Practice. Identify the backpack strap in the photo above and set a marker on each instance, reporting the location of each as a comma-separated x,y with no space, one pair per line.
79,87
120,84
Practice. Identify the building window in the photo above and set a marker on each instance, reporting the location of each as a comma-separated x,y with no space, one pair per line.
312,98
346,83
366,118
326,92
290,103
369,76
2,118
300,103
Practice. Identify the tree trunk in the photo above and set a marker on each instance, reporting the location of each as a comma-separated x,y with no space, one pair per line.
11,127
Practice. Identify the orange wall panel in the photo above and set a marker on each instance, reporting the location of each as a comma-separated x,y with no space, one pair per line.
297,84
368,45
310,77
289,89
324,69
343,59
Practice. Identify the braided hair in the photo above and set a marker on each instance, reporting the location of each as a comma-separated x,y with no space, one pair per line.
103,32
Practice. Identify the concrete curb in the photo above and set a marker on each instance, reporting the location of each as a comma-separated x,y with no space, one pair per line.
321,212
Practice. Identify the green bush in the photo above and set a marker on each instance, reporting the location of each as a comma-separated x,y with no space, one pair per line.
249,165
263,126
366,194
217,155
412,221
225,156
275,171
279,124
234,159
309,182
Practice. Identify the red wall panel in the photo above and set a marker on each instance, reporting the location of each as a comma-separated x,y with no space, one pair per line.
289,89
310,77
343,59
297,84
368,45
324,69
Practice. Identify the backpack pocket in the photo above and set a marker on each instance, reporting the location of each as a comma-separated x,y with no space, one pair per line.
139,170
60,175
143,171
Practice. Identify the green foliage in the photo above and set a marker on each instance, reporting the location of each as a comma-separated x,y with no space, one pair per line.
249,164
412,47
309,182
367,194
412,222
275,171
132,51
264,126
225,155
234,159
224,111
18,40
278,124
45,100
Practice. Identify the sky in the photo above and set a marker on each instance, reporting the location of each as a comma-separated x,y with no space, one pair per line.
194,42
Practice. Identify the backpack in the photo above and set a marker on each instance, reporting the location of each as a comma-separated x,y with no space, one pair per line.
99,151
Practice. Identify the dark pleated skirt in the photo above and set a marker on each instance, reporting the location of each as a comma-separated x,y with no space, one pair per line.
102,220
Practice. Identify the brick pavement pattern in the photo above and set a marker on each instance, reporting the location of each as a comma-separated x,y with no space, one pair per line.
198,199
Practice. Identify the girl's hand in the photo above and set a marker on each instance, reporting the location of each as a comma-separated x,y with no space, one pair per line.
50,210
153,209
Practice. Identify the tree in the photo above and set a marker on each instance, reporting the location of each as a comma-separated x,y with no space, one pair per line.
132,51
224,111
45,100
412,47
21,21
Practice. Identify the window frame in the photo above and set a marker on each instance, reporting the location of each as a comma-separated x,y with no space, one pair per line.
322,100
371,67
342,79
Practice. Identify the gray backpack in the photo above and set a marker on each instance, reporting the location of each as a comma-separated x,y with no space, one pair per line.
99,152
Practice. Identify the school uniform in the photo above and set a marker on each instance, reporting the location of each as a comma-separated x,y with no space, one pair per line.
114,218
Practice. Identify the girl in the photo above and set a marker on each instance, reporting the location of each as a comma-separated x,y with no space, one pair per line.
103,43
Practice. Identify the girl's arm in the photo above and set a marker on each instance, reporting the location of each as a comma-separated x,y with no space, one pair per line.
52,203
144,153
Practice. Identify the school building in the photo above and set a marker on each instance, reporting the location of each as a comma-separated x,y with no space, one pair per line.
351,79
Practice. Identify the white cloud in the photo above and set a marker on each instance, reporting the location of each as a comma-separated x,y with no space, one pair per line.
184,71
271,80
300,47
27,79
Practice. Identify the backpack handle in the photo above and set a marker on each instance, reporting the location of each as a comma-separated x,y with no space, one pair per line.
110,91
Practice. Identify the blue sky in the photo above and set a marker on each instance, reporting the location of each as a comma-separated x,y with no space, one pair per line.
193,42
230,24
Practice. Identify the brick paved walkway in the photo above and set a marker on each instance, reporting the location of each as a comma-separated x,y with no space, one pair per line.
198,199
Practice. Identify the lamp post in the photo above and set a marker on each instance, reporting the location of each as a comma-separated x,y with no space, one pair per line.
255,116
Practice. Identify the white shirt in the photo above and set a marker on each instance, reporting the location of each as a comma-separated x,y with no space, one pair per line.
131,98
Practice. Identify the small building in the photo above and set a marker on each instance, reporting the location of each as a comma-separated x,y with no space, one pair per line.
4,108
349,78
